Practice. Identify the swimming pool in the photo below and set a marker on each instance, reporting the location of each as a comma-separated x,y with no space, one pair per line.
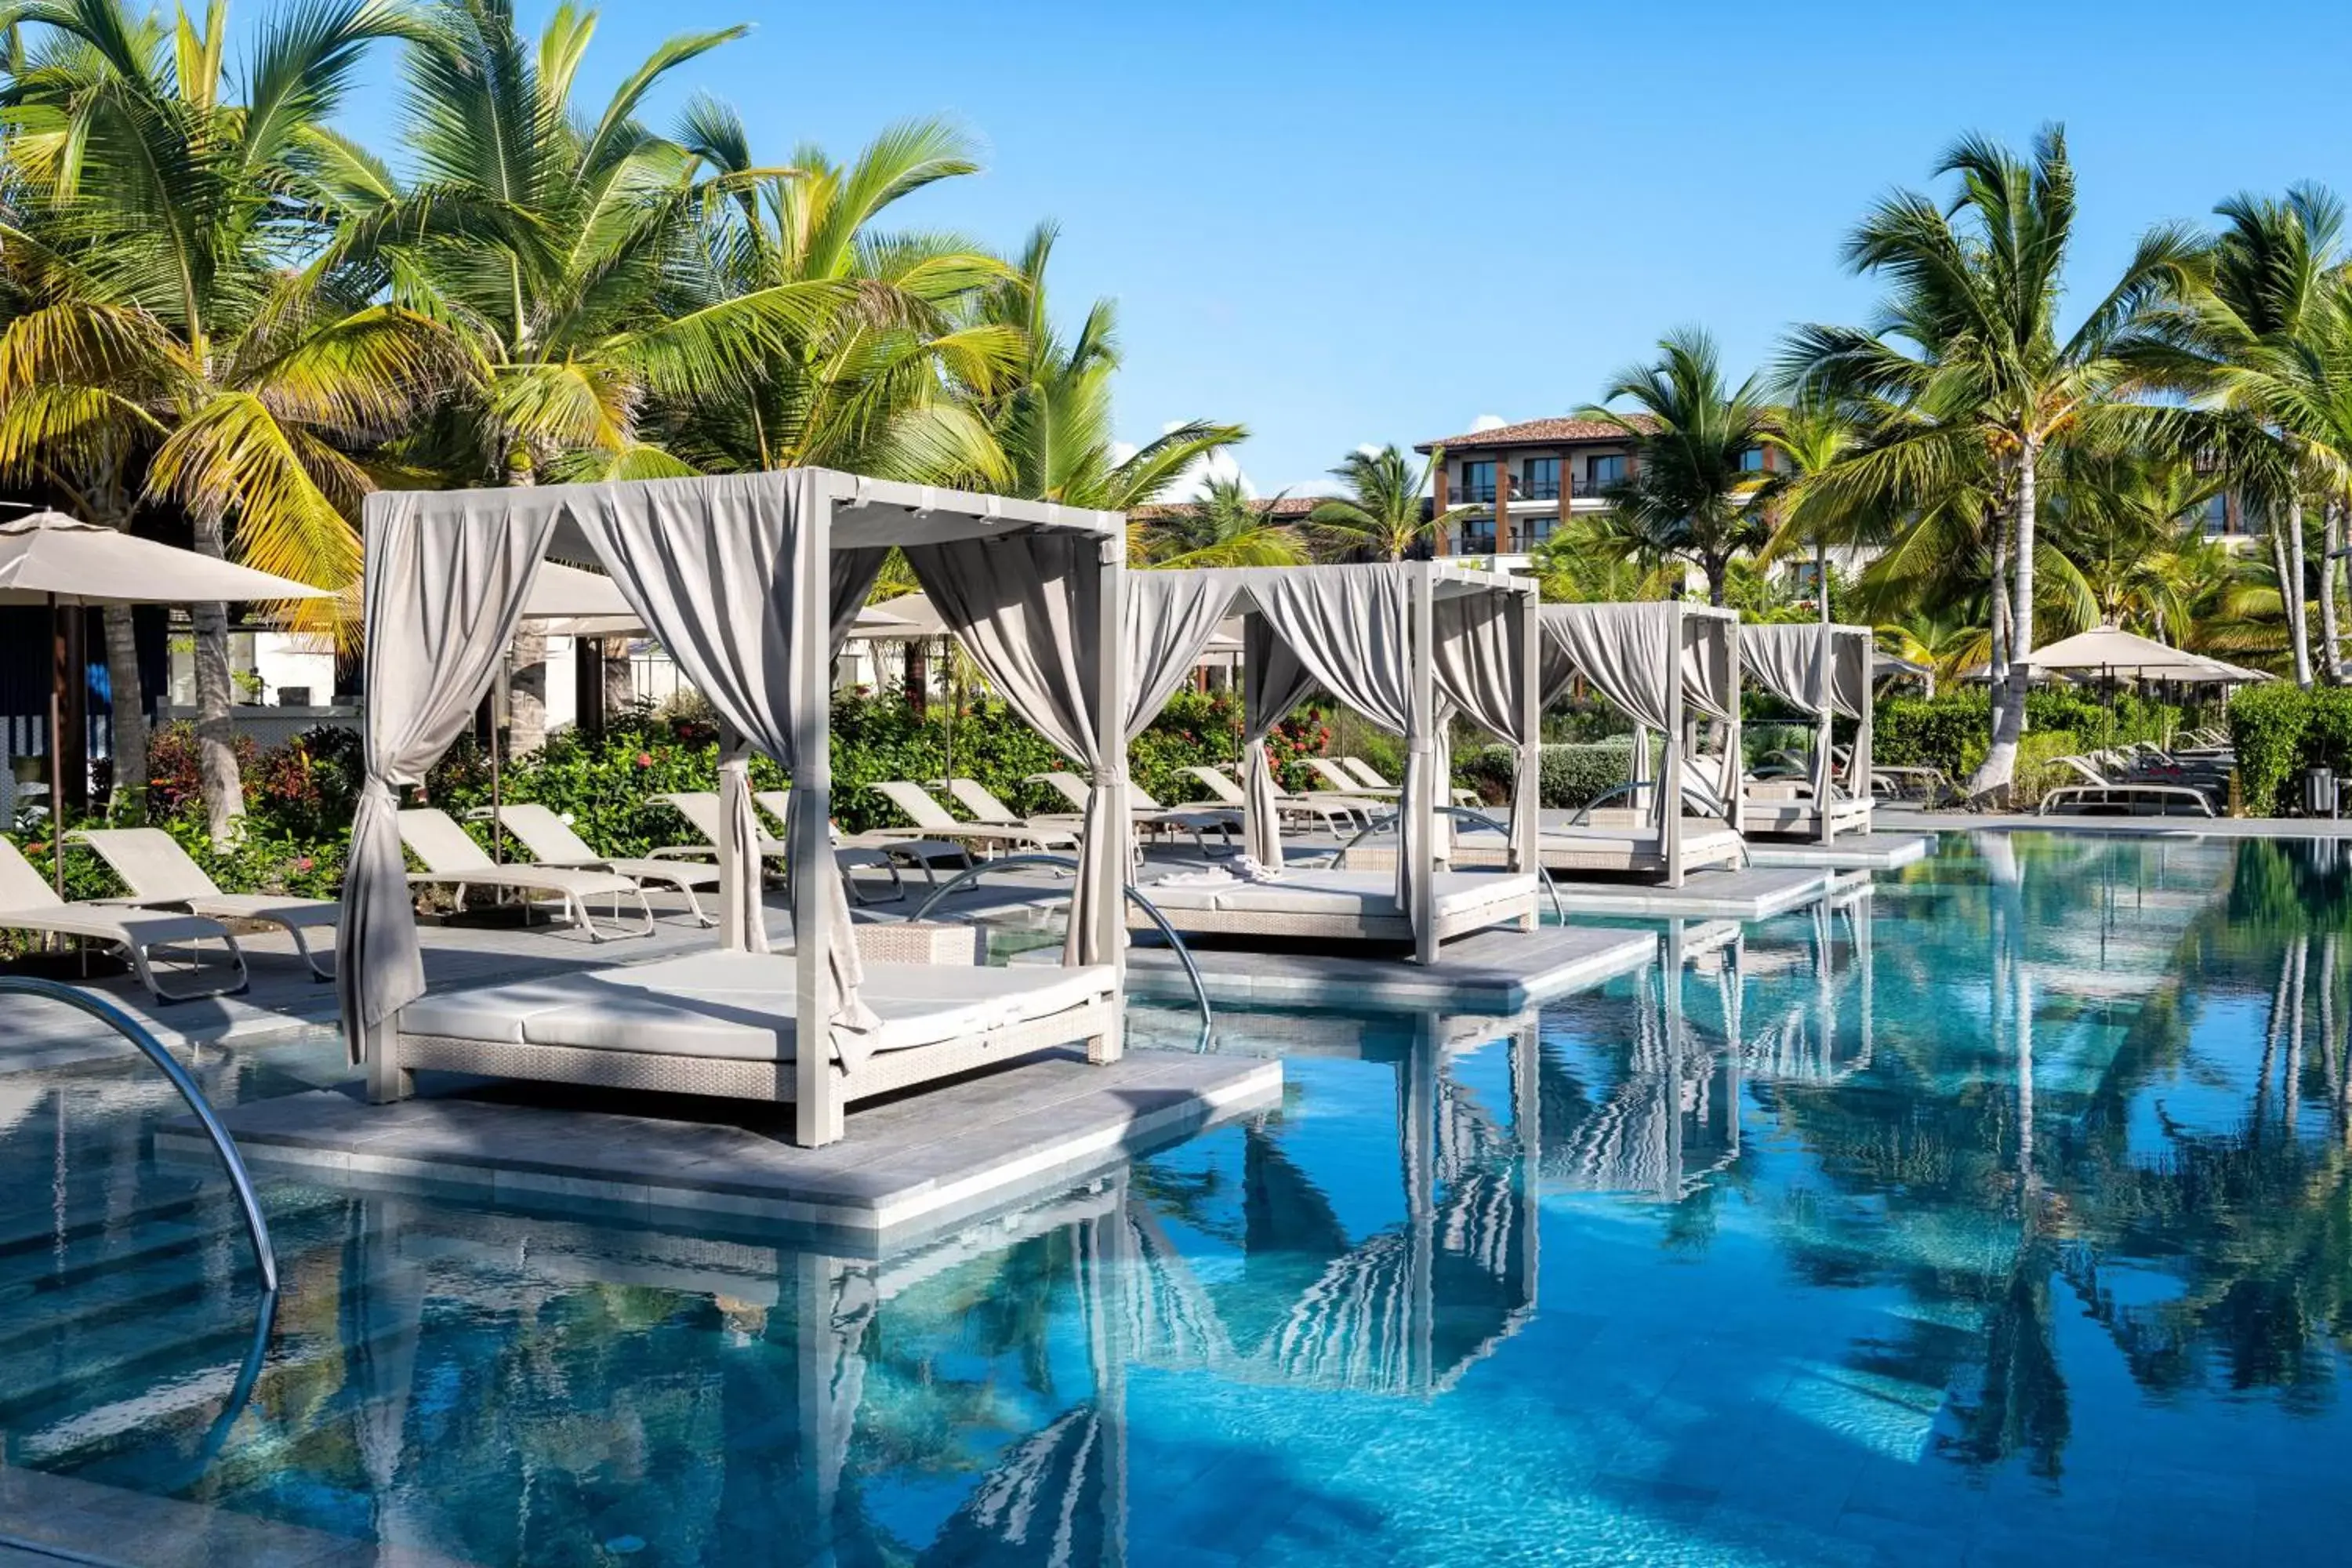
2000,1213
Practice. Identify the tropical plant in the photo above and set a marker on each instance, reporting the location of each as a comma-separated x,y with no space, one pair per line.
1226,527
1981,383
1051,417
178,334
1382,517
1809,438
1691,495
1585,561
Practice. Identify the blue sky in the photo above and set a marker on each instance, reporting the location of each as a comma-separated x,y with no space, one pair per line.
1341,224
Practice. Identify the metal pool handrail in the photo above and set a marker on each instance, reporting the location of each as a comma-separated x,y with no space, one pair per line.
130,1029
1069,863
1559,909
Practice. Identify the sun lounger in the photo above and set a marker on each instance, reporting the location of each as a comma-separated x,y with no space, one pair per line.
931,820
551,842
452,859
881,850
1148,814
162,875
702,813
982,801
1334,812
28,903
2102,795
1357,775
1329,902
722,1023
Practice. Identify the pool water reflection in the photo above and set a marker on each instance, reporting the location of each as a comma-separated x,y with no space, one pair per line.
1996,1214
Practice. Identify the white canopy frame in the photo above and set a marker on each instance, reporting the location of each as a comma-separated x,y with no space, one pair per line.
1407,644
1664,664
752,582
1822,670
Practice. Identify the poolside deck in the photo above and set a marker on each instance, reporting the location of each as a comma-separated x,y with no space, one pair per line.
1751,895
910,1166
1496,971
1855,852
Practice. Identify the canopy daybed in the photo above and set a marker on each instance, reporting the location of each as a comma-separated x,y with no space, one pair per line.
1405,643
1665,664
751,582
1823,671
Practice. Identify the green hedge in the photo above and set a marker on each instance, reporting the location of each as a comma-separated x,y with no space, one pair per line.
2278,731
1572,774
1953,731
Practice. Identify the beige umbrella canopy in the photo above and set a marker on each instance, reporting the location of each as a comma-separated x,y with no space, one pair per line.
2114,651
48,558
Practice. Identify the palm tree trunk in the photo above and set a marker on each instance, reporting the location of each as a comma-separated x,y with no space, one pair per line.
129,696
2297,617
216,766
1717,572
1999,769
2331,568
2286,594
527,691
1821,574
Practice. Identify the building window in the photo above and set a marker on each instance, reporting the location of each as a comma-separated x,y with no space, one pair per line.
1600,473
1478,483
2217,513
1534,529
1540,478
1751,461
1477,535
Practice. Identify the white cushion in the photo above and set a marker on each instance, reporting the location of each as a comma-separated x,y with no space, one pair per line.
1362,894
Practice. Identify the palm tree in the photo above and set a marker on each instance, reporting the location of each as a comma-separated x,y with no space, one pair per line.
2270,322
175,314
1226,527
1968,349
1052,418
1809,438
1585,561
1382,517
1692,495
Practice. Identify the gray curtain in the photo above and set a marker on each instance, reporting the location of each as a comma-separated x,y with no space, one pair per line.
1350,629
441,602
1628,653
1029,607
1850,691
707,565
1711,686
1819,670
1274,682
1171,616
1479,673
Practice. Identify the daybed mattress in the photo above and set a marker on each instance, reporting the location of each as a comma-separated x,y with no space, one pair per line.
737,1007
1584,846
1356,894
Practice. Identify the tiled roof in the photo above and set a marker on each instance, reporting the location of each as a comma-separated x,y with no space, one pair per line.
1538,433
1283,509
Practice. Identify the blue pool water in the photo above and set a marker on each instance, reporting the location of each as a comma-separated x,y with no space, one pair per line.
2000,1214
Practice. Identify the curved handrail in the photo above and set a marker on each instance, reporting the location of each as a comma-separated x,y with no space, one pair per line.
1559,909
1069,863
131,1029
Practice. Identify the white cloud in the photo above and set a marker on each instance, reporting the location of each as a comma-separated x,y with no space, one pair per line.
1488,422
1193,482
1371,448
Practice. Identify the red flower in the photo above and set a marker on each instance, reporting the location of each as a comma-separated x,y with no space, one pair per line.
644,759
305,864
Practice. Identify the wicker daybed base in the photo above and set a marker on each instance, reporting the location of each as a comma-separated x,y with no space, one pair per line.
1795,818
1614,847
1092,1023
1510,900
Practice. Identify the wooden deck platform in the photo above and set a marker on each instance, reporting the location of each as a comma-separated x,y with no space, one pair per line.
1494,971
1750,895
1855,852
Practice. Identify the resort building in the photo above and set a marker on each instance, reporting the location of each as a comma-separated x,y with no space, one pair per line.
1523,478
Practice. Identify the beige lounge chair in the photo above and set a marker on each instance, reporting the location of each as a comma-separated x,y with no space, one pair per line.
1357,775
28,903
2100,795
704,815
1334,812
551,842
162,875
931,820
453,860
872,849
1148,814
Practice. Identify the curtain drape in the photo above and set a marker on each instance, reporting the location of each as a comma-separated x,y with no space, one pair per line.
1821,671
707,565
1029,608
1479,673
442,603
1170,618
1274,681
1628,654
1711,685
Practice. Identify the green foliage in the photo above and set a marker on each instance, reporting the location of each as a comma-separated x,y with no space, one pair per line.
1951,732
1572,774
2279,730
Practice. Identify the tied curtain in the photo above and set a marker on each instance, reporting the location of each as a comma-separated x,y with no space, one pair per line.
1628,653
1850,692
443,599
1821,671
1711,685
1348,631
1274,682
709,565
1029,609
1480,674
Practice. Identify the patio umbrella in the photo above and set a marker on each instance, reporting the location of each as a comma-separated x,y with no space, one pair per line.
2113,649
48,558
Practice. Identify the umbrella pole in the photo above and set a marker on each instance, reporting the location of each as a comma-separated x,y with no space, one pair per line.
56,747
